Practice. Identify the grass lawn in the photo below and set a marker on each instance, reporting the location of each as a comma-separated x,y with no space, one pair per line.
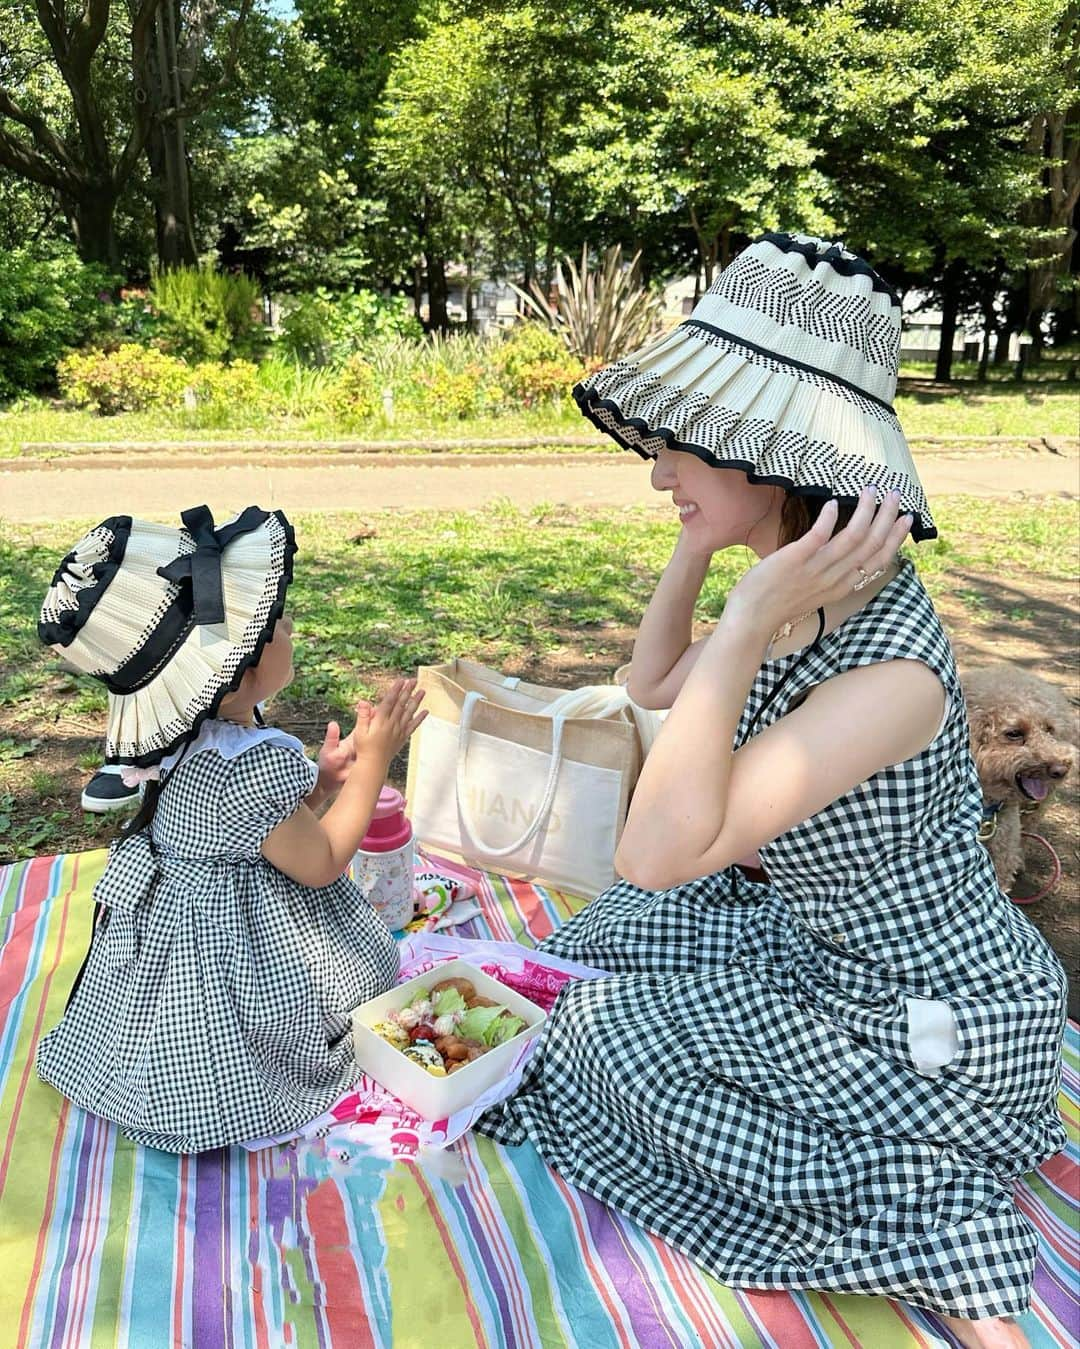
550,593
1026,411
40,422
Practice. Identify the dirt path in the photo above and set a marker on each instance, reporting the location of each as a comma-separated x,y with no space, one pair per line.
100,486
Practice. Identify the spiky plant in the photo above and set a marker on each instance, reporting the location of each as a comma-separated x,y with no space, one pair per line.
599,313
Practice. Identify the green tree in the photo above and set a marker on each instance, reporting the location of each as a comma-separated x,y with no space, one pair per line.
292,216
695,132
86,87
928,150
475,119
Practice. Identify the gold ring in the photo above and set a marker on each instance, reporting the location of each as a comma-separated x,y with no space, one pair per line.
865,577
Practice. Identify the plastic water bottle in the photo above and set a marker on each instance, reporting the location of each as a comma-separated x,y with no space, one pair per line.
383,865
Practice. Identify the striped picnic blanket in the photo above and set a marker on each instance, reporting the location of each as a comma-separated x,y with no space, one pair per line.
103,1243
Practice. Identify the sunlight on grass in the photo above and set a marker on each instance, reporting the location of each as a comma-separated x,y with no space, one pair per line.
41,423
1025,411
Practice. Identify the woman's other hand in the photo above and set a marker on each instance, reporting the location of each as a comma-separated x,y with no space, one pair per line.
821,568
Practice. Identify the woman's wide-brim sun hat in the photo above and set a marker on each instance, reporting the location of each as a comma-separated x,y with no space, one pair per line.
786,369
168,618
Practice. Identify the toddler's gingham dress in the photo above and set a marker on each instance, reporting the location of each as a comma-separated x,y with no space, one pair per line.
212,1006
746,1085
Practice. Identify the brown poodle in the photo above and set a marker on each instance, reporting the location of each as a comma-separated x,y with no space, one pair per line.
1023,738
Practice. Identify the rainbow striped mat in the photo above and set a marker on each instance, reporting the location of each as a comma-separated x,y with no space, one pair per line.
106,1244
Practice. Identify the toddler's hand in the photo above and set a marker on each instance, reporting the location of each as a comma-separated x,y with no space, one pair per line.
336,757
386,728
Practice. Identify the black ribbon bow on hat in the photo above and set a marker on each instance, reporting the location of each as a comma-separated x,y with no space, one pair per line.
202,568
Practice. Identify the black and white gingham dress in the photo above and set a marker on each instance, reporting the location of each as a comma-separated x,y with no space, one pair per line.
745,1086
212,1008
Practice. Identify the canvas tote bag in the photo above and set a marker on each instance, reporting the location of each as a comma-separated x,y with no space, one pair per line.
522,779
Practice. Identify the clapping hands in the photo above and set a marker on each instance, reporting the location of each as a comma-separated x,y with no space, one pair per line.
381,730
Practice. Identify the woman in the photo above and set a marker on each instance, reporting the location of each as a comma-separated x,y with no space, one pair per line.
828,1078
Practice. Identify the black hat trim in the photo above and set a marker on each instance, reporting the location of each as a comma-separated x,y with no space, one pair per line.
64,631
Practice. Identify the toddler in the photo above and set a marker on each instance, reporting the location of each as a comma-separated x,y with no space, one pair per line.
229,945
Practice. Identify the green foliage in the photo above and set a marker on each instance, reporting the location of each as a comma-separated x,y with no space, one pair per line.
698,131
299,212
289,389
134,378
354,394
926,149
534,365
457,394
47,305
323,327
476,112
207,315
225,386
130,379
601,313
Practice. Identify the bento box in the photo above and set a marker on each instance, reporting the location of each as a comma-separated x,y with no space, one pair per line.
436,1097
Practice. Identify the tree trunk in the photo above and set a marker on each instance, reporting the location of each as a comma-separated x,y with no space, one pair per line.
438,293
549,244
990,319
1035,321
1064,323
92,224
1015,308
984,356
1001,346
418,288
950,310
166,147
171,190
707,247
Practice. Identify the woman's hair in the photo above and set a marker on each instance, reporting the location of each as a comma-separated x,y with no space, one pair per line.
799,513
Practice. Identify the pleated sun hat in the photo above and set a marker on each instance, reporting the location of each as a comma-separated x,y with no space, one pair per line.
786,370
168,618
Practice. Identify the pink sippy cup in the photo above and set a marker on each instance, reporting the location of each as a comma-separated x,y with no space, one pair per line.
383,865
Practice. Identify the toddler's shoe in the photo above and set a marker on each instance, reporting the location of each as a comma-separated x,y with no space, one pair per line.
106,791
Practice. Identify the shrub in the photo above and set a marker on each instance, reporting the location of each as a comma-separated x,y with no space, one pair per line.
206,315
130,379
226,387
354,395
599,313
458,393
47,306
134,320
322,328
534,364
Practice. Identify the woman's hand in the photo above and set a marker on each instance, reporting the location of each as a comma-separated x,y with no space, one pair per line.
382,730
820,569
692,549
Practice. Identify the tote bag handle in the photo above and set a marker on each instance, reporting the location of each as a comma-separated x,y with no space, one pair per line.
469,834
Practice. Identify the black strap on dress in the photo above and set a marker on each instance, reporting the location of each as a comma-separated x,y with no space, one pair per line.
759,873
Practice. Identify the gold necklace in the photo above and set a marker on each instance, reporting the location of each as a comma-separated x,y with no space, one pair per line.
786,629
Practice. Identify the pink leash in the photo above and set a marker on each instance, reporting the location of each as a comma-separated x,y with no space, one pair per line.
1051,885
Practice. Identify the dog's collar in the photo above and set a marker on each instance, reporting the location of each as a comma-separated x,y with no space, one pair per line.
988,824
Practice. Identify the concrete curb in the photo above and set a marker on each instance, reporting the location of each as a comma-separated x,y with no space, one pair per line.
382,454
